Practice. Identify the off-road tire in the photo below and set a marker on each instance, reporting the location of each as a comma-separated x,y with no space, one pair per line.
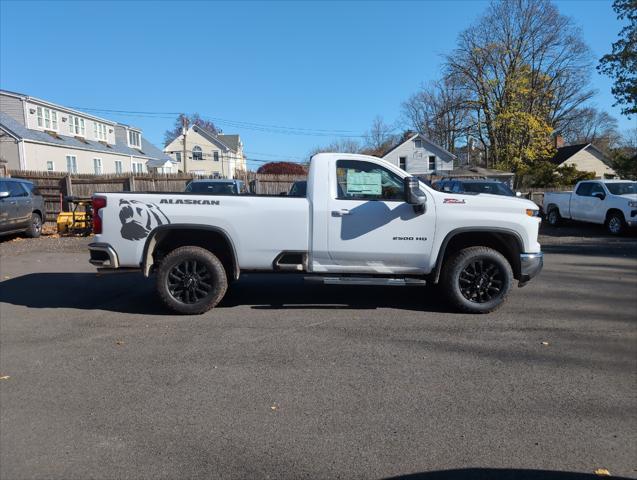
458,262
35,228
615,223
553,217
203,260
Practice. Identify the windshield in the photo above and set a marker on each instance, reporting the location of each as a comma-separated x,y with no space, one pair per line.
623,188
494,188
212,188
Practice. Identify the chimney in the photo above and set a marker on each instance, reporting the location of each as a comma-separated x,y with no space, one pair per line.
559,141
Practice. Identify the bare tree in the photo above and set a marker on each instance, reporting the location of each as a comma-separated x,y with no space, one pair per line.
194,119
439,111
379,138
590,125
524,70
345,145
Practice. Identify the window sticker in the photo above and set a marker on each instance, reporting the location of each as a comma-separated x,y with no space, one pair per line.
363,183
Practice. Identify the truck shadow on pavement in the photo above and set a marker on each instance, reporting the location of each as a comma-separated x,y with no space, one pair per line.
499,474
132,293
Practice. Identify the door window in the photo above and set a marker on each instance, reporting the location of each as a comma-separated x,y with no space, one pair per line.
596,188
359,180
16,190
584,190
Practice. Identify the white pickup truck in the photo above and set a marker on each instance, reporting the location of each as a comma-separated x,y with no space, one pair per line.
363,221
607,202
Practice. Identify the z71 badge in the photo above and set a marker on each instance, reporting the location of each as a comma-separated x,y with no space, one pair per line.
454,200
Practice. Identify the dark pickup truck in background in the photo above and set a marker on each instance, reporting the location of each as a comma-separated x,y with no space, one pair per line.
21,207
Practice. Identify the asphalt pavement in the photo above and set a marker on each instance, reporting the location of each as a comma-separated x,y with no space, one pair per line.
288,380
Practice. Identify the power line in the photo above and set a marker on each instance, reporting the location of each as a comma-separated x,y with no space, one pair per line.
268,128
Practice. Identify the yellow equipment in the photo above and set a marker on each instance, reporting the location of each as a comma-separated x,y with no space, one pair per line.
76,222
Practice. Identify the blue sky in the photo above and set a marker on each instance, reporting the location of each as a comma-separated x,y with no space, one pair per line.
308,65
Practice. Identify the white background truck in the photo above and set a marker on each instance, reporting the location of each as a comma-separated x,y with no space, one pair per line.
607,202
363,221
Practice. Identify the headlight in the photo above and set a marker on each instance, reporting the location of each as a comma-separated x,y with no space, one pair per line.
532,213
632,203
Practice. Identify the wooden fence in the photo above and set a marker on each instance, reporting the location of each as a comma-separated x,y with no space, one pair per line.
269,184
55,186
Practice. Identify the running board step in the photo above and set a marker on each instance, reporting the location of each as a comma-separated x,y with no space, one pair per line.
394,282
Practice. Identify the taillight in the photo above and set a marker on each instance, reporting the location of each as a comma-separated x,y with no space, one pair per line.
98,203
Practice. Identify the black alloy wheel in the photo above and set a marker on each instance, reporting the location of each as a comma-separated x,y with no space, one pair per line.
481,281
189,281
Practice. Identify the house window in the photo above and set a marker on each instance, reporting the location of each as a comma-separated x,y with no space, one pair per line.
197,154
47,118
50,166
97,166
178,156
99,129
76,126
418,143
216,156
403,162
118,166
134,139
71,163
432,162
138,167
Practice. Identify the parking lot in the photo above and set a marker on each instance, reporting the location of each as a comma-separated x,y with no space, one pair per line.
287,380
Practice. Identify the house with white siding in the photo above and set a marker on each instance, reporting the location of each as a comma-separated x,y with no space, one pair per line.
420,156
36,134
207,153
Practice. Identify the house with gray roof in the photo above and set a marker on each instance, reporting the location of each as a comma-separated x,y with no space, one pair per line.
36,134
420,156
207,153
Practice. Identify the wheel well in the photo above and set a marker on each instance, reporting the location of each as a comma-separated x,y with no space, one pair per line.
39,213
165,241
614,210
507,244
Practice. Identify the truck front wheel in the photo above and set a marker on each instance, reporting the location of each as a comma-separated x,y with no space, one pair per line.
191,280
476,279
553,216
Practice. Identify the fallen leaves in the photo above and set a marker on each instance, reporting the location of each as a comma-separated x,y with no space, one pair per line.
5,377
119,342
545,344
274,407
602,472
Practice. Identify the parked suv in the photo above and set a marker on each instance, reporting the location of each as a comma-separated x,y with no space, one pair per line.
475,186
21,207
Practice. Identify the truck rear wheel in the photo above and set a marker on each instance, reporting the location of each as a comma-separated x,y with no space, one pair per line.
191,280
477,279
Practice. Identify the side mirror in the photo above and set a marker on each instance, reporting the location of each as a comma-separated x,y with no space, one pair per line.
518,194
413,194
4,194
599,195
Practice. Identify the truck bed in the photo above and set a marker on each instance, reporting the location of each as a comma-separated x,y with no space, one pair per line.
260,226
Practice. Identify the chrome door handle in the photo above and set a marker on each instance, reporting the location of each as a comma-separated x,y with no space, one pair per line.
341,213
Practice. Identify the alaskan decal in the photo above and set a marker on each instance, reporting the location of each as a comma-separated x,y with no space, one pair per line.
188,201
139,218
454,200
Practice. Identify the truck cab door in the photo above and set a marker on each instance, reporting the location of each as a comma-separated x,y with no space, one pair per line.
371,227
597,212
581,201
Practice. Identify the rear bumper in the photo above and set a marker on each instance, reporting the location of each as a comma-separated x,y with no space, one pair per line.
530,266
103,255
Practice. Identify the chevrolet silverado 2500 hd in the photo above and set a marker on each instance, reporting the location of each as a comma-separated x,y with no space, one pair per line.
607,202
363,221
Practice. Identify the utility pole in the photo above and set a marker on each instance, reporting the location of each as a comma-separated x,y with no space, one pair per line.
184,131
